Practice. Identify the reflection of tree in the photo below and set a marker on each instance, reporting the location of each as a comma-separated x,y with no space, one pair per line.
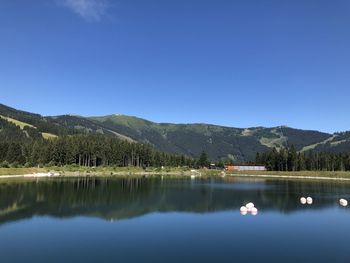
71,196
112,198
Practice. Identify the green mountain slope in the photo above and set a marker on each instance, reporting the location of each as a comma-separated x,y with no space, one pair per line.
218,142
339,142
54,125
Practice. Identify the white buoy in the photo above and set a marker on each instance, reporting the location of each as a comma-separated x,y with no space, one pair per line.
309,200
343,202
243,209
243,213
249,206
254,210
193,176
303,200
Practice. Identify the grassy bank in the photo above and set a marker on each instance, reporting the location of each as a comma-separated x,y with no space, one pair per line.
83,171
325,174
20,171
171,171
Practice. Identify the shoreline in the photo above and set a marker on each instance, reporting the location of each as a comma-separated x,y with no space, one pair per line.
185,174
276,176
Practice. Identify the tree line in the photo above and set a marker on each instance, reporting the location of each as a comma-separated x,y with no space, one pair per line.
291,160
86,150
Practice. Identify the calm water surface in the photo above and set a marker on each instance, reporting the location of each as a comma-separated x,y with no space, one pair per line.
154,220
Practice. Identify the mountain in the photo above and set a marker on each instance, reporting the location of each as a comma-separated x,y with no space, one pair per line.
218,142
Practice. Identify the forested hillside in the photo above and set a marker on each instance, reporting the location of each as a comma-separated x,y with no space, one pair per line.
220,143
85,150
291,160
24,140
226,143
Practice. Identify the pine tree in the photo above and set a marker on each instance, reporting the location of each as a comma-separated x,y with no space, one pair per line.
203,159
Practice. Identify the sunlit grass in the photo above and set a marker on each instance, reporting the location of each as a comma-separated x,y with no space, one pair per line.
335,174
74,170
48,135
20,171
17,122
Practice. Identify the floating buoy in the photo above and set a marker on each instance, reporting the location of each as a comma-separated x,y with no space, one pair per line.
309,200
249,206
243,209
254,211
193,176
243,213
343,202
303,200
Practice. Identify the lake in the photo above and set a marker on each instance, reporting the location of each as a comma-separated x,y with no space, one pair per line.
172,220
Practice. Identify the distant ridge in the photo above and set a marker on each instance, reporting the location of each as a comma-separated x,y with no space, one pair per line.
219,142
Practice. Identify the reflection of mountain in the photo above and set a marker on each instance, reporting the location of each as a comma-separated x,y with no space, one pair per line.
125,198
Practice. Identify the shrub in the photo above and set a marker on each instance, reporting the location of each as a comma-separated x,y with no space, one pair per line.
5,164
14,164
51,164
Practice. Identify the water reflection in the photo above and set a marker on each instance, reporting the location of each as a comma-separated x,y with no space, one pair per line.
114,199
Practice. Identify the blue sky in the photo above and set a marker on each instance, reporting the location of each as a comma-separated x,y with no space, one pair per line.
234,63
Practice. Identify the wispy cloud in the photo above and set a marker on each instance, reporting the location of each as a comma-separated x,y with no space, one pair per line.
91,10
